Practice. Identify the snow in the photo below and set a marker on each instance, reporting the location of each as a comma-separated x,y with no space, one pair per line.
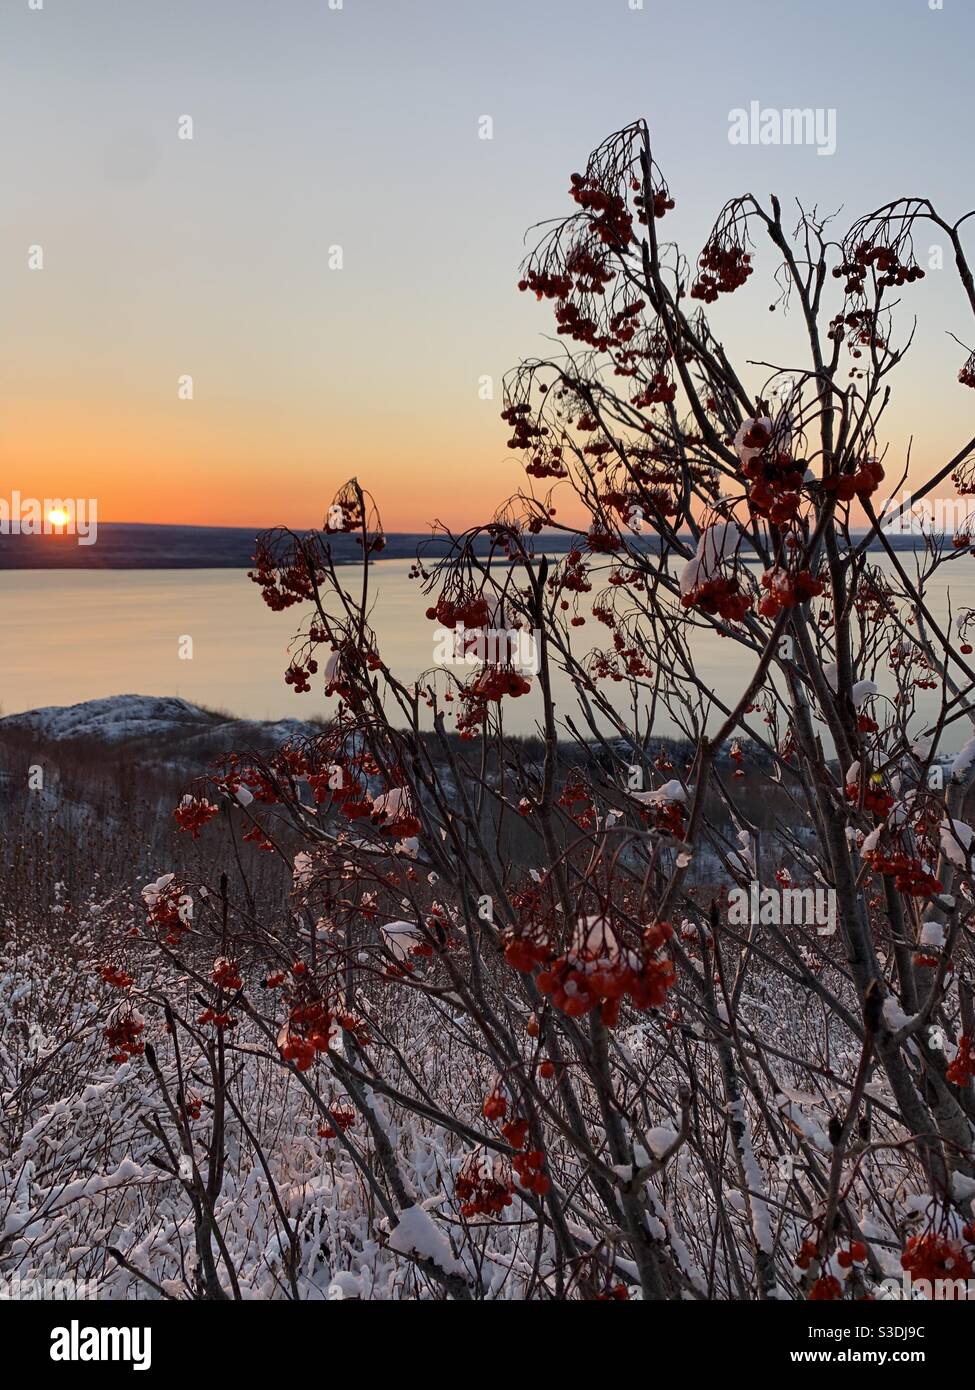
154,891
716,544
956,840
594,941
894,1015
303,869
963,761
743,861
110,720
962,1188
81,1173
754,1178
401,937
660,1139
862,691
670,791
741,449
120,718
933,934
871,841
390,804
814,1133
416,1234
345,1284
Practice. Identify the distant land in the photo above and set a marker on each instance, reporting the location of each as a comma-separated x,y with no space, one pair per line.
137,545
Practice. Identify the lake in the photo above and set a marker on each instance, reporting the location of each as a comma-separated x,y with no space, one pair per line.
78,635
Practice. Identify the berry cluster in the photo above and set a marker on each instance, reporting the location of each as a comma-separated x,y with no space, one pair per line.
719,597
546,285
659,391
342,1118
297,676
723,268
393,814
613,223
192,1106
787,590
855,1254
281,586
225,974
574,577
808,1251
876,800
469,610
910,875
115,976
596,973
168,909
123,1037
547,465
495,1105
576,799
862,484
667,816
826,1289
891,271
528,1165
775,476
311,1028
219,1020
495,682
193,812
932,1257
962,1068
599,542
483,1185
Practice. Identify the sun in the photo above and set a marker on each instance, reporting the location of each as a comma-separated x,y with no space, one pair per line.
58,516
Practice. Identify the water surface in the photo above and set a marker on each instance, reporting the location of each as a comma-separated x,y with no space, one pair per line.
77,635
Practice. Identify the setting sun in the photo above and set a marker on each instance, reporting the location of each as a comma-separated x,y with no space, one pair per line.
58,516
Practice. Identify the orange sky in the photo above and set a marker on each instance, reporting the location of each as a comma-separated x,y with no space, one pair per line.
317,129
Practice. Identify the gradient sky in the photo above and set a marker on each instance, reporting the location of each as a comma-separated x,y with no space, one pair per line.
358,127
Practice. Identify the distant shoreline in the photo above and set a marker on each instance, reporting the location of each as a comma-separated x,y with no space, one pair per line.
147,546
144,545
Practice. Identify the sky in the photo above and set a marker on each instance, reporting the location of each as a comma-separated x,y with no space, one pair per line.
357,127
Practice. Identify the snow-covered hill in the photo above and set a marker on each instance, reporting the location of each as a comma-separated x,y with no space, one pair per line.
164,722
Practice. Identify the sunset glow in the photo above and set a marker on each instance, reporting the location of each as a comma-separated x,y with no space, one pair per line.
161,264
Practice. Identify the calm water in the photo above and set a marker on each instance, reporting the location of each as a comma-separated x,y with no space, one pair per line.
76,636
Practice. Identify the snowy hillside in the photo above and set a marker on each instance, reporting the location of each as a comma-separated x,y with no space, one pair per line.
166,721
